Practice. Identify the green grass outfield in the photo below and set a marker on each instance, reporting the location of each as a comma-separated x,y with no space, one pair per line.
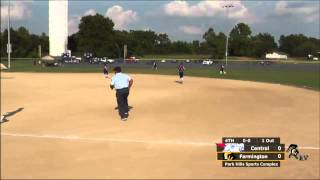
310,80
230,58
189,56
175,56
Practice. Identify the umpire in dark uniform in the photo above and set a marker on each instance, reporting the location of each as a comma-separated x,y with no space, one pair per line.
122,83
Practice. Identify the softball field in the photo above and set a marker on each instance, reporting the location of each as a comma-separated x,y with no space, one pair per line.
68,127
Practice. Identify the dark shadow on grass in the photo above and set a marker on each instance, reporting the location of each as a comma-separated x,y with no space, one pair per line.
8,114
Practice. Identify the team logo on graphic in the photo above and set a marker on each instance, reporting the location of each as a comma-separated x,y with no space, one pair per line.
229,156
294,152
233,147
228,149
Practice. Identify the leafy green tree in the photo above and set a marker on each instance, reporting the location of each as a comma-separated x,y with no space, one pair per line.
204,48
72,43
121,38
44,42
3,45
215,43
34,46
195,47
145,41
289,43
298,45
307,47
23,43
181,47
240,40
162,43
262,44
96,35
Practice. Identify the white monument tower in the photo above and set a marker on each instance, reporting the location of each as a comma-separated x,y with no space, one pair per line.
58,27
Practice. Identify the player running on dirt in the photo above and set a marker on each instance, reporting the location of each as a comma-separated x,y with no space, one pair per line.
181,69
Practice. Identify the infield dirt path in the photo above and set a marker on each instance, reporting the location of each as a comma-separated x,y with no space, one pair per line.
70,129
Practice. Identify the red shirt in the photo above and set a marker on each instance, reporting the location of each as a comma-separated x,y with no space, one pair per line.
181,68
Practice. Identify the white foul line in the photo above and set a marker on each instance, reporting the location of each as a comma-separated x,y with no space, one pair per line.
121,140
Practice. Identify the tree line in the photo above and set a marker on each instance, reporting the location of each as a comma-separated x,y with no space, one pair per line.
97,35
24,44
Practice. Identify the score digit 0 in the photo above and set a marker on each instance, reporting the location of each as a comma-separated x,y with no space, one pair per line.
279,156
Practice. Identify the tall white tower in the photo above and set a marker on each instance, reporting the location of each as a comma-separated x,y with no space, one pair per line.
58,27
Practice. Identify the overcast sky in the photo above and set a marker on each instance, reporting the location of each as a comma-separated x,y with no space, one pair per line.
181,20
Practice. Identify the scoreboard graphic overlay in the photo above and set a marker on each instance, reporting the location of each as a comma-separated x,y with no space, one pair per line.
250,152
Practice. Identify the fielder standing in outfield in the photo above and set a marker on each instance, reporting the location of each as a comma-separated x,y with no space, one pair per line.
222,71
181,69
155,65
122,83
105,71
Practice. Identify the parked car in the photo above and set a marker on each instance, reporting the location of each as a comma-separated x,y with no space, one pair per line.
87,57
95,60
78,58
266,63
110,61
132,59
207,62
103,60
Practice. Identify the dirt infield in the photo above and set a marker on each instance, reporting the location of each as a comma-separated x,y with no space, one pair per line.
68,127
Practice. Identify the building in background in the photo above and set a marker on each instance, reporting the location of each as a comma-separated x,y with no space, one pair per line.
58,27
276,55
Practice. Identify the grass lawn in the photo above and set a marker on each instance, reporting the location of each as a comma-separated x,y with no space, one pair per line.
287,77
175,56
189,56
296,60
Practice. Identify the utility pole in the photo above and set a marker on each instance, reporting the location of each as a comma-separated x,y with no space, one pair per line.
227,6
39,51
9,44
124,51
